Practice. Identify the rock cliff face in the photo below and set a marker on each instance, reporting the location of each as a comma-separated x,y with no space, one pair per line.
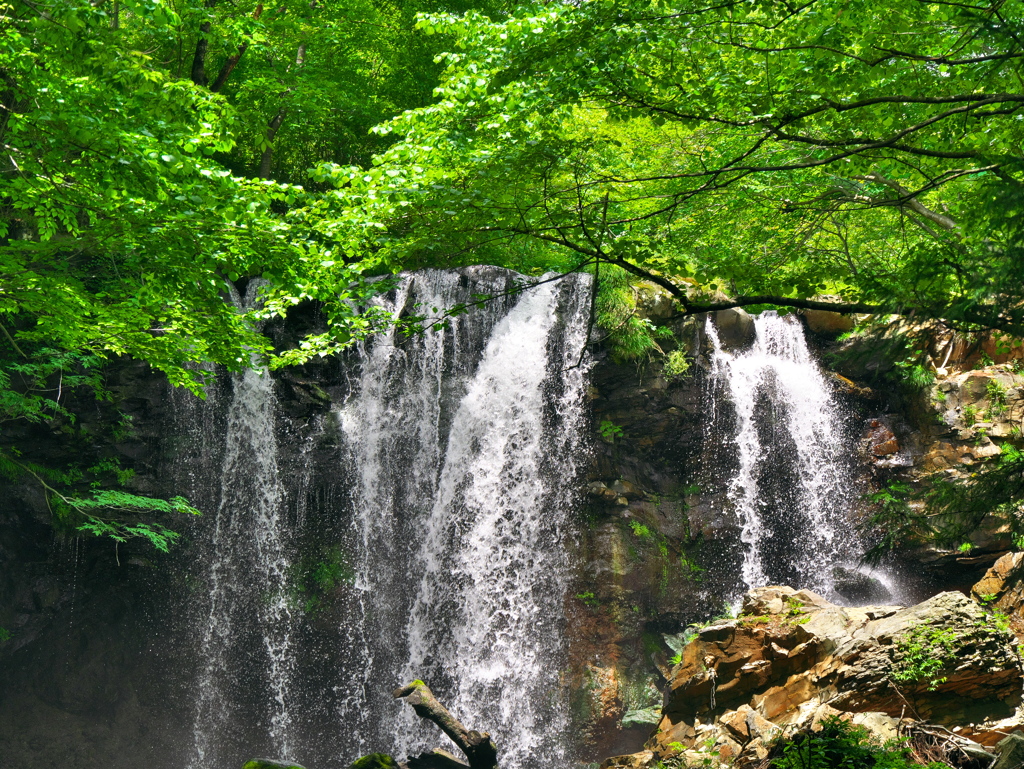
661,550
791,659
82,676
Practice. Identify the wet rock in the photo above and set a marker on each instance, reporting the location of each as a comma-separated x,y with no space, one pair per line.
435,759
858,588
881,440
735,328
626,489
825,322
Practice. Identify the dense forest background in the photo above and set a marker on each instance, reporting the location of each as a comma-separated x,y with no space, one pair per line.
157,155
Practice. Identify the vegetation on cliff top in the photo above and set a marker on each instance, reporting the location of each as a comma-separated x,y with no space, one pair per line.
746,153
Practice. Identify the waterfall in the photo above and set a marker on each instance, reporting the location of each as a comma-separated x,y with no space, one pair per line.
464,444
792,489
245,628
435,499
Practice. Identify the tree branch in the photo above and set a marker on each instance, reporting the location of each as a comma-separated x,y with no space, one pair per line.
910,201
478,746
232,61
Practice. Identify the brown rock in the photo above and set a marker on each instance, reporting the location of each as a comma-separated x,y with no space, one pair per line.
792,651
825,322
1003,585
881,440
642,760
779,700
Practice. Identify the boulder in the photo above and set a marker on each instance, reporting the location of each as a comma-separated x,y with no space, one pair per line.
826,322
270,763
881,440
1003,585
735,328
645,759
792,658
1010,750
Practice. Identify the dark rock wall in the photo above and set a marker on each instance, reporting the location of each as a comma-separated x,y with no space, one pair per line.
96,669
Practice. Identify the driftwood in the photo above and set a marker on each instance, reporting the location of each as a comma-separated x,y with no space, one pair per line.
478,746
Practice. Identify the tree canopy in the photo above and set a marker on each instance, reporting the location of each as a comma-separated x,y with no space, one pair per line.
775,151
737,153
153,156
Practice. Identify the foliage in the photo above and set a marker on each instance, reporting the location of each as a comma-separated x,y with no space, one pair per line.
318,572
996,392
639,530
923,653
153,155
771,150
746,154
5,635
677,364
609,430
375,761
840,745
691,570
629,337
945,512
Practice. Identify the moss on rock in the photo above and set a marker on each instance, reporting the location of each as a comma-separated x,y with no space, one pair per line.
267,763
375,761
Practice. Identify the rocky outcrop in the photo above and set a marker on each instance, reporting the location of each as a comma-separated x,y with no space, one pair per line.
1002,587
792,658
975,407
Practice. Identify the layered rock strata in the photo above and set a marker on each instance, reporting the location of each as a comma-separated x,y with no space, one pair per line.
792,659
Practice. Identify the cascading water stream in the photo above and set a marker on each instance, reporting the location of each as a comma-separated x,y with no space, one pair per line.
464,443
792,490
245,644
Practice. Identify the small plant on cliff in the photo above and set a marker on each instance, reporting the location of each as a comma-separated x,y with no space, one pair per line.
970,414
922,654
996,399
316,575
5,635
640,530
691,571
676,364
609,430
628,336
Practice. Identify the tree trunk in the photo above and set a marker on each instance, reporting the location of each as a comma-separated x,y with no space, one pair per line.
232,61
478,746
275,122
202,45
199,58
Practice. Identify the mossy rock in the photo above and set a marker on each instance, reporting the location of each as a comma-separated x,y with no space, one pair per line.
375,761
267,763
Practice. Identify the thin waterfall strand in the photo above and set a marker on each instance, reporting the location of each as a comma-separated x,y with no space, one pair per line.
776,386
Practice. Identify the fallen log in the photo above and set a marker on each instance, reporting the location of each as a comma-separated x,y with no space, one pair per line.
478,746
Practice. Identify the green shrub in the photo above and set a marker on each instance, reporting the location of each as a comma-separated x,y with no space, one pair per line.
922,654
841,745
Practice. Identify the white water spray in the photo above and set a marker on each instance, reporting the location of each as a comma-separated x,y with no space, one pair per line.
464,464
792,490
246,577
